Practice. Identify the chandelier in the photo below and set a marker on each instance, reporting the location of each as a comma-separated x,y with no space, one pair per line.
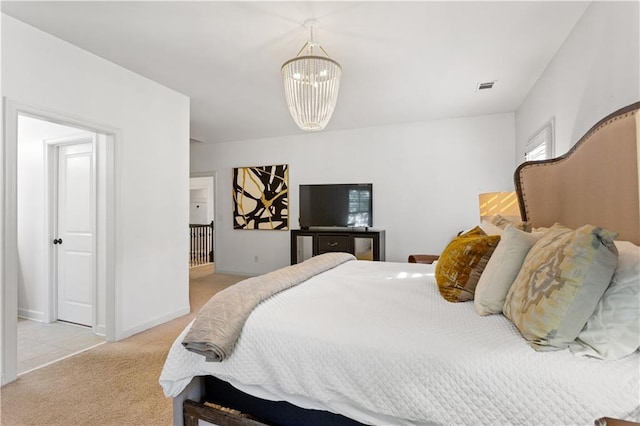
311,84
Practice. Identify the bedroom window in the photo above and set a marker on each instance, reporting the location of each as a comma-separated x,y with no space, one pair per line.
540,146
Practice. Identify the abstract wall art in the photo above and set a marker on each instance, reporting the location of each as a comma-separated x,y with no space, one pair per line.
261,197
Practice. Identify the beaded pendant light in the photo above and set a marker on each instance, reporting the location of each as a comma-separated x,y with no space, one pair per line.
311,84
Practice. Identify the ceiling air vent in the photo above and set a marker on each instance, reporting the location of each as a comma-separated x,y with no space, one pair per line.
485,86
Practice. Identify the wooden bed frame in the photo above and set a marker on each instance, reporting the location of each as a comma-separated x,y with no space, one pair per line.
596,182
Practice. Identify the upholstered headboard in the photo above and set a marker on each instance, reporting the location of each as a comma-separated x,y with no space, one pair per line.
597,182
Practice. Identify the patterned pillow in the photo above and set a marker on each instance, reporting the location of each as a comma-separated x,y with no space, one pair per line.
462,262
502,222
560,283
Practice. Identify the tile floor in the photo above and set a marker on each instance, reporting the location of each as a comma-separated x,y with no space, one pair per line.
40,344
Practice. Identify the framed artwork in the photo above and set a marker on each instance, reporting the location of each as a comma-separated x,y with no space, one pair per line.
261,197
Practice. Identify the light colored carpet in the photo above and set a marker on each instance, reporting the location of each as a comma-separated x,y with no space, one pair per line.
113,384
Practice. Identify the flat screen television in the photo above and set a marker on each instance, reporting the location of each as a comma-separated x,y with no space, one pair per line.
340,205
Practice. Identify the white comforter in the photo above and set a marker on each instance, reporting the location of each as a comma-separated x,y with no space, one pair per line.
376,342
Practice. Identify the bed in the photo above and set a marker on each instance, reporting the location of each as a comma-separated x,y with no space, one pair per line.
375,342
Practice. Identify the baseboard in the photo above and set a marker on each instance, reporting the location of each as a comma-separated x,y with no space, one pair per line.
101,330
147,325
31,315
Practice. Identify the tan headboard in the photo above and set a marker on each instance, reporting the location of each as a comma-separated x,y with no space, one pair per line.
597,182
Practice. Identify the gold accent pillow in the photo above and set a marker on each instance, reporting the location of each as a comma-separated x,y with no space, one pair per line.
462,262
560,283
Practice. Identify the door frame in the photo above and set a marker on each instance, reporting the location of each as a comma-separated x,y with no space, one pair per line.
214,176
51,174
109,139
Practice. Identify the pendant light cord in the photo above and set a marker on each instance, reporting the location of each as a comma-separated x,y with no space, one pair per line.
309,45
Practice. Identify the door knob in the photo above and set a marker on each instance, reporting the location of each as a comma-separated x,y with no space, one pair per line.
57,241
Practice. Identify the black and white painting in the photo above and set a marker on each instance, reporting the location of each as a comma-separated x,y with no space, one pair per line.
261,197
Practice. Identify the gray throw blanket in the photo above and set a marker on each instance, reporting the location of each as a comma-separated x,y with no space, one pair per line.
217,326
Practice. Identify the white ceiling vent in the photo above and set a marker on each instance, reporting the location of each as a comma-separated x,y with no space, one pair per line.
485,86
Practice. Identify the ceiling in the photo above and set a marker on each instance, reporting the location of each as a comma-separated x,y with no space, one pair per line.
402,61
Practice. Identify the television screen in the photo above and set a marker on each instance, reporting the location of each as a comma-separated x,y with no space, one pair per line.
344,205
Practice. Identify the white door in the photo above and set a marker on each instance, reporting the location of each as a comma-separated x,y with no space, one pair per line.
198,213
74,239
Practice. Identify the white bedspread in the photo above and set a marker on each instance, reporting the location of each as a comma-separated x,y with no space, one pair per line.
376,342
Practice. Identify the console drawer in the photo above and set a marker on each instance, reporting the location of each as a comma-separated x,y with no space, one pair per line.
364,244
327,243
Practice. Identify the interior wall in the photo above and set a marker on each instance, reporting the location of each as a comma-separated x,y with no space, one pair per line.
32,214
426,179
5,335
594,73
151,123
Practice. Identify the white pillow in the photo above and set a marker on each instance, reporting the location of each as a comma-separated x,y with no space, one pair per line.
502,269
613,331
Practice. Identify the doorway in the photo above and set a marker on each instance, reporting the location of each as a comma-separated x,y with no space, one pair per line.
56,202
202,223
32,139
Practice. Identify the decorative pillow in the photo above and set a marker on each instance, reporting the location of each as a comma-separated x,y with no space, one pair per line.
613,331
491,229
461,263
502,269
560,283
503,222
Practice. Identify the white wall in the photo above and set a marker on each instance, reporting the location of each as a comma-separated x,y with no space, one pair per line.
594,73
151,126
5,335
426,180
32,277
